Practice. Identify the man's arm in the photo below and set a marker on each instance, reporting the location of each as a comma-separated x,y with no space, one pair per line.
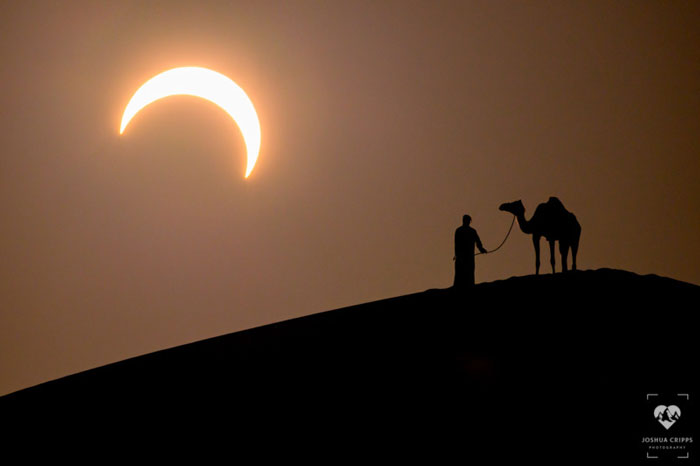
478,243
456,244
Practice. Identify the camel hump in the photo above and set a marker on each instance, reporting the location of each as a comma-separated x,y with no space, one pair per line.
558,211
556,204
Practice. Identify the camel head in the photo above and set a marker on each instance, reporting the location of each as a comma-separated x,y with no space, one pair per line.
515,208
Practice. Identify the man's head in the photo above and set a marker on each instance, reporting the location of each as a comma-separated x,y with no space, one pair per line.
466,220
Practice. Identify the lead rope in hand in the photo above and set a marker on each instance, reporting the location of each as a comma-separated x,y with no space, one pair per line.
504,239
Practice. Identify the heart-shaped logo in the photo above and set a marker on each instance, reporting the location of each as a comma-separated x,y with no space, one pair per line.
667,415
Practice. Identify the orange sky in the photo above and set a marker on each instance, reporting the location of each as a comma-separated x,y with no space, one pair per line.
382,123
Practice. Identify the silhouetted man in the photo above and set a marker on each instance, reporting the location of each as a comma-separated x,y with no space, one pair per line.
465,239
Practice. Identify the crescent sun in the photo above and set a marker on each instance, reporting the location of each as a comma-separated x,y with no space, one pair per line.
209,85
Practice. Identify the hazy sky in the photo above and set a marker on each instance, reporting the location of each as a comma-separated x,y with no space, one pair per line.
382,124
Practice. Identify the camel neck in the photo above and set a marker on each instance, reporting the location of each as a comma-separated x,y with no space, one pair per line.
524,224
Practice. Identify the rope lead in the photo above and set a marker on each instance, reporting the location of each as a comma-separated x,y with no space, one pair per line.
504,239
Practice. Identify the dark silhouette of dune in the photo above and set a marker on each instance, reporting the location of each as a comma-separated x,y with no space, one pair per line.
528,367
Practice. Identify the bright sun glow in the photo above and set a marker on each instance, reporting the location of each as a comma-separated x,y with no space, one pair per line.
209,85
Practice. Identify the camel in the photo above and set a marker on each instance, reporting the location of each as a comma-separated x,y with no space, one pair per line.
552,221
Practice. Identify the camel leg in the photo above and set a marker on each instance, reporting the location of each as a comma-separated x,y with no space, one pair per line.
551,254
536,244
564,251
574,248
